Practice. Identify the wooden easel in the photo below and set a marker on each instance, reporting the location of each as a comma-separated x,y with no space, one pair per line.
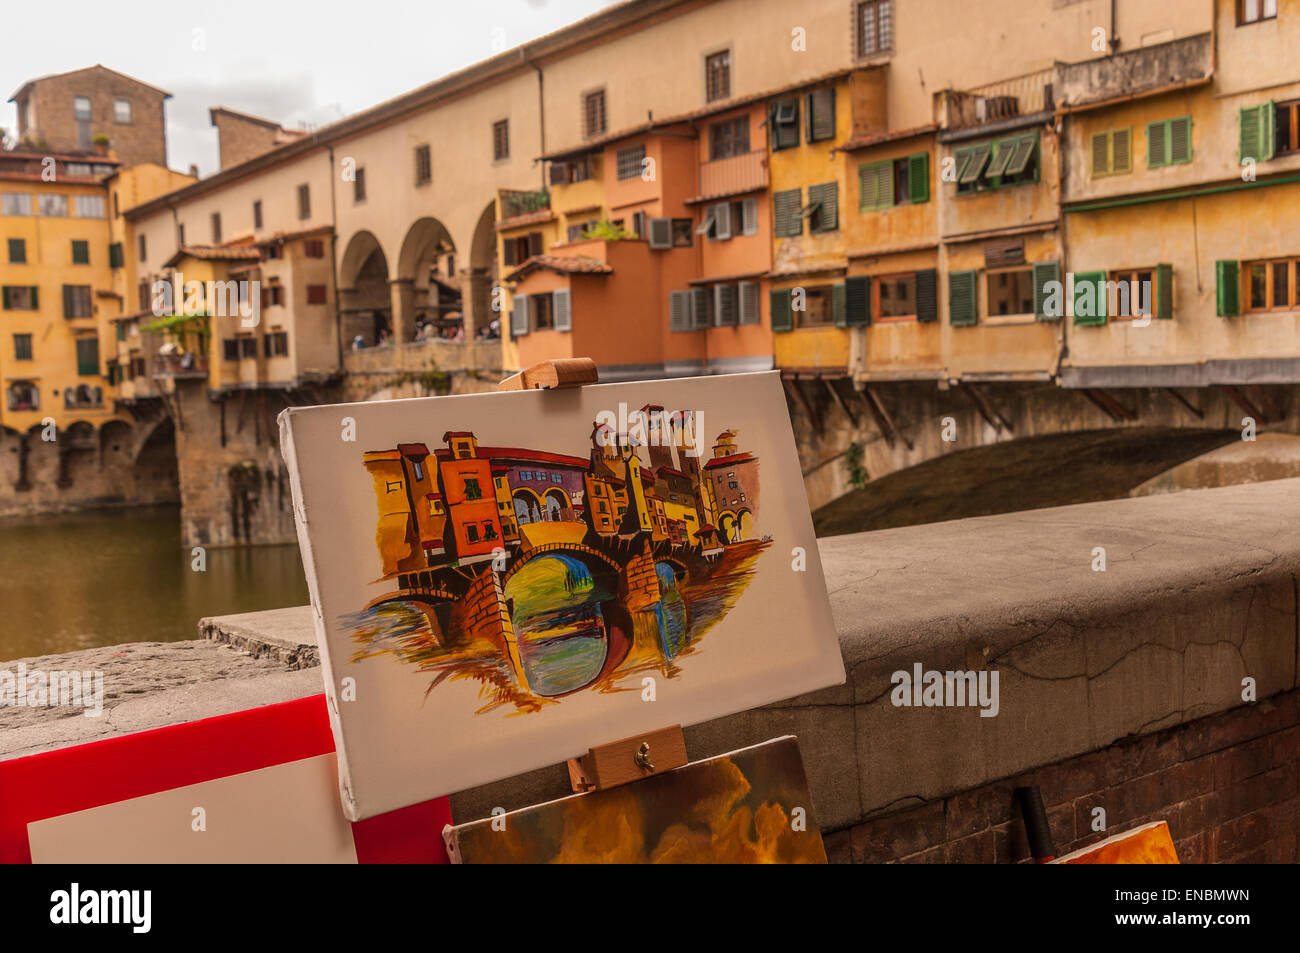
640,756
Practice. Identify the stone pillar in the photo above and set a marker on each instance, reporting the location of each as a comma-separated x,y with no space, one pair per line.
475,300
402,291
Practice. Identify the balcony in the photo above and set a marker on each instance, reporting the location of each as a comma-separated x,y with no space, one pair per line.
182,366
83,397
1146,69
733,175
516,203
995,102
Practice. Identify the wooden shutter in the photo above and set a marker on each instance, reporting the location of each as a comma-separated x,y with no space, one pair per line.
561,309
785,134
782,316
1121,150
508,250
1157,144
750,215
519,317
68,305
1100,153
1180,139
749,303
838,309
724,314
699,308
1024,151
828,194
1227,276
857,301
722,221
679,311
4,297
1164,303
534,244
36,303
885,184
661,233
918,177
1257,132
1004,150
963,299
1083,281
821,115
559,173
788,222
975,167
1044,273
868,187
927,295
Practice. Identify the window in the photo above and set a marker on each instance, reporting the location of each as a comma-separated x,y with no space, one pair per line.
717,76
1253,11
273,252
17,251
276,344
122,110
77,168
874,23
820,110
91,206
1009,292
822,210
272,295
1130,293
180,234
257,215
81,108
80,252
230,349
895,297
522,247
785,123
216,228
304,201
15,203
543,314
313,248
247,347
501,139
115,259
1271,285
578,169
556,477
593,114
143,295
22,347
996,164
76,301
20,298
1286,127
423,166
117,211
472,490
52,206
359,187
883,185
1169,142
729,138
87,356
315,294
1111,152
525,474
141,256
629,162
682,229
489,531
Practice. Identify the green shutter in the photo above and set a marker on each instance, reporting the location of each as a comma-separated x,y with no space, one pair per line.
782,316
1164,292
885,184
788,223
1044,273
963,299
36,304
927,295
67,301
1256,133
1227,276
868,192
5,293
1180,140
1100,152
115,255
918,177
1096,280
837,305
1005,148
1157,144
857,301
827,196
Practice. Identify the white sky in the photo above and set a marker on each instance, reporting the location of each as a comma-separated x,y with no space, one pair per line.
291,62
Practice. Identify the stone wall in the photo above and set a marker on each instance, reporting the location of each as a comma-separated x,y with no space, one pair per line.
422,369
141,140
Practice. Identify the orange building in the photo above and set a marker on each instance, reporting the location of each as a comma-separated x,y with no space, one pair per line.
473,523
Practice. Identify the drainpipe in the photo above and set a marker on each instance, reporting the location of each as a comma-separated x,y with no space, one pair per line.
334,263
1063,348
1114,37
541,118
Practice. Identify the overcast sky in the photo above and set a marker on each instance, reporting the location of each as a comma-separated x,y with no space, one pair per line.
293,62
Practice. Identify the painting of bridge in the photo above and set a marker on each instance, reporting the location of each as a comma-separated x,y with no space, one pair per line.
540,573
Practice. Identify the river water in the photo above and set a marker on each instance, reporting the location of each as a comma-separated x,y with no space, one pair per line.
104,577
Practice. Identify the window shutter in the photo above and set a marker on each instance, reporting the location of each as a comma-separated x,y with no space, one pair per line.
821,115
509,249
1100,153
1121,151
1001,158
918,177
1226,277
561,309
838,309
1164,303
749,313
1157,144
785,134
975,168
699,308
679,311
868,188
1256,132
1023,153
724,312
782,316
927,295
885,184
1180,139
1083,281
559,173
534,244
750,215
1044,273
661,233
722,221
36,304
519,317
857,301
68,307
963,304
828,194
788,222
4,295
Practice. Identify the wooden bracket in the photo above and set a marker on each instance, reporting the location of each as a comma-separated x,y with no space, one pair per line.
629,759
550,375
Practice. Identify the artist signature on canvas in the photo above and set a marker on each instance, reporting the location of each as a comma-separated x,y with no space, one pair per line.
540,573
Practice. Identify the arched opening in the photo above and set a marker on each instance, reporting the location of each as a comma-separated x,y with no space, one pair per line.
365,302
745,525
557,505
483,276
428,262
529,507
726,528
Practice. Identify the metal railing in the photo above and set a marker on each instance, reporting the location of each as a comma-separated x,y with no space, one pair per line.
1005,99
517,202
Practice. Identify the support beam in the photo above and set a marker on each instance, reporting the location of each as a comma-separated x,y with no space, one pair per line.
1110,406
840,402
793,389
1192,408
1244,402
885,423
992,416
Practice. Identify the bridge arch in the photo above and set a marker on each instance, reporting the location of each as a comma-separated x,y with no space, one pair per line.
365,301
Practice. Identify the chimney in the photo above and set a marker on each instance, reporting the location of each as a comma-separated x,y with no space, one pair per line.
194,170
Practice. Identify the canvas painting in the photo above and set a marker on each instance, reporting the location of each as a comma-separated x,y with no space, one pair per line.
1148,844
749,806
504,580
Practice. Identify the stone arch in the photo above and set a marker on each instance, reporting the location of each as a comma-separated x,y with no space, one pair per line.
365,302
528,506
427,283
114,436
484,273
556,502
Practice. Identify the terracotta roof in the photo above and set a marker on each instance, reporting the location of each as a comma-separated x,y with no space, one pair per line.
562,265
525,218
213,253
522,454
862,141
413,449
281,237
729,461
85,69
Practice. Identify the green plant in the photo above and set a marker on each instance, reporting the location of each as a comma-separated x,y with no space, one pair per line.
99,139
608,231
853,463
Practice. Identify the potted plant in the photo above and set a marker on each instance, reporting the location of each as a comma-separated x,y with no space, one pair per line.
101,143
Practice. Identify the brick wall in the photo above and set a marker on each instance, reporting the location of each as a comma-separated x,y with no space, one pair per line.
638,581
1229,786
241,139
141,140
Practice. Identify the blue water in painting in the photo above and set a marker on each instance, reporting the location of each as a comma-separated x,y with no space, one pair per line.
671,613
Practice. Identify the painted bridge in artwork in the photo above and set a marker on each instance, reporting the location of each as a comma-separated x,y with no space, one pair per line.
541,573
